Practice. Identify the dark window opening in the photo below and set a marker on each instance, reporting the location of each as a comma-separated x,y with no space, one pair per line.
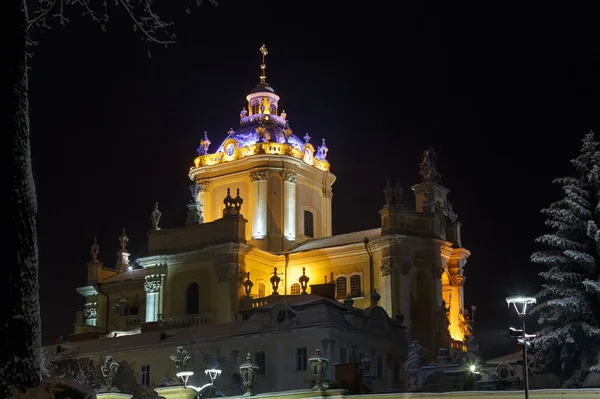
260,362
192,299
309,224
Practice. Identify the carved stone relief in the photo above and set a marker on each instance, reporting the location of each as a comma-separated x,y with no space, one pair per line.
458,280
386,270
258,175
153,283
203,185
288,177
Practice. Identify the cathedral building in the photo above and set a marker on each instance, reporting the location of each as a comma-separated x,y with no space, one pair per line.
259,232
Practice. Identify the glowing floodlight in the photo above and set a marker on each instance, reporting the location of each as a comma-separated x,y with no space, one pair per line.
185,376
212,374
520,303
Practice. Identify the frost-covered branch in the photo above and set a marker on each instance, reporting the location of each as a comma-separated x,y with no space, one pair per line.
140,12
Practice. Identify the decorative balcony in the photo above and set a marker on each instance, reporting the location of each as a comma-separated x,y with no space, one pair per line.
189,320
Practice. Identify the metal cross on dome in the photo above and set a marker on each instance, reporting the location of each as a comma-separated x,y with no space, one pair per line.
263,66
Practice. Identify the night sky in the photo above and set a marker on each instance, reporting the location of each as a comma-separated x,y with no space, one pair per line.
504,95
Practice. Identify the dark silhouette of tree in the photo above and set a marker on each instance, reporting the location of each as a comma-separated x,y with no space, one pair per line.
20,325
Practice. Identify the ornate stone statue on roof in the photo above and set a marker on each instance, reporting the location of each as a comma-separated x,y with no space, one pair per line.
428,169
155,217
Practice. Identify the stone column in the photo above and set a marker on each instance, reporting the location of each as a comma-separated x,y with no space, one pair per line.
259,204
152,285
385,289
289,205
456,303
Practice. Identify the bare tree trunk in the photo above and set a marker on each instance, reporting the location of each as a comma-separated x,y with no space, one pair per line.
20,360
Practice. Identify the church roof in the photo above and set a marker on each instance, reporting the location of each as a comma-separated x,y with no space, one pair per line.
262,88
126,275
338,240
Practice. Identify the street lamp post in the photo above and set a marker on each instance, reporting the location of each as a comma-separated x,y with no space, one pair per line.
211,373
520,304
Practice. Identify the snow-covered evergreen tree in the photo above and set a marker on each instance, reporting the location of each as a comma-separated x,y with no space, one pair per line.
567,313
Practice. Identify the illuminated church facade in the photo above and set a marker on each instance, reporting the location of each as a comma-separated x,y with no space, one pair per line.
259,232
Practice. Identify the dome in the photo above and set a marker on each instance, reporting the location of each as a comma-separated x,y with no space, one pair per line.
250,134
261,125
261,88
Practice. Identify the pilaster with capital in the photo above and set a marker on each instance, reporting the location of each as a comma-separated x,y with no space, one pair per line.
259,202
289,205
153,285
204,204
90,313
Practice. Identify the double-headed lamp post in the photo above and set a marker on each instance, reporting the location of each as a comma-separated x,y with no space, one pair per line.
211,373
520,304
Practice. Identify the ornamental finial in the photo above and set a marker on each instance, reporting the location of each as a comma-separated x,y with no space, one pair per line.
204,144
94,250
123,239
263,66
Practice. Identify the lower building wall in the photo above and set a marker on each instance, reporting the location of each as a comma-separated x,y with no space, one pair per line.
282,356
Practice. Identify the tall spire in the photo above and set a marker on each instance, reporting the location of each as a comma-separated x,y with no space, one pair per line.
263,66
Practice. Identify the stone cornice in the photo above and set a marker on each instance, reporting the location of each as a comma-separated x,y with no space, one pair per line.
460,253
337,252
183,256
87,290
263,161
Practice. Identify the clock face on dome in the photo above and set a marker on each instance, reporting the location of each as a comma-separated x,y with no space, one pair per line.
229,149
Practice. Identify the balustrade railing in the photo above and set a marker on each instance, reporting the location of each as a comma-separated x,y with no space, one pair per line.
188,320
127,323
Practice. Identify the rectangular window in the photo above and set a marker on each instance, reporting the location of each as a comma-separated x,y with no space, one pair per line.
379,369
301,359
260,362
396,370
296,289
261,290
145,375
309,224
355,286
343,355
340,288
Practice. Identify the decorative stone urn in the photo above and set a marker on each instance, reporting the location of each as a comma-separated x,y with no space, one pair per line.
248,372
318,366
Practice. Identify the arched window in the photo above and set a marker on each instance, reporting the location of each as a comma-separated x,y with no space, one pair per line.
355,286
295,289
192,299
340,288
261,290
309,224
